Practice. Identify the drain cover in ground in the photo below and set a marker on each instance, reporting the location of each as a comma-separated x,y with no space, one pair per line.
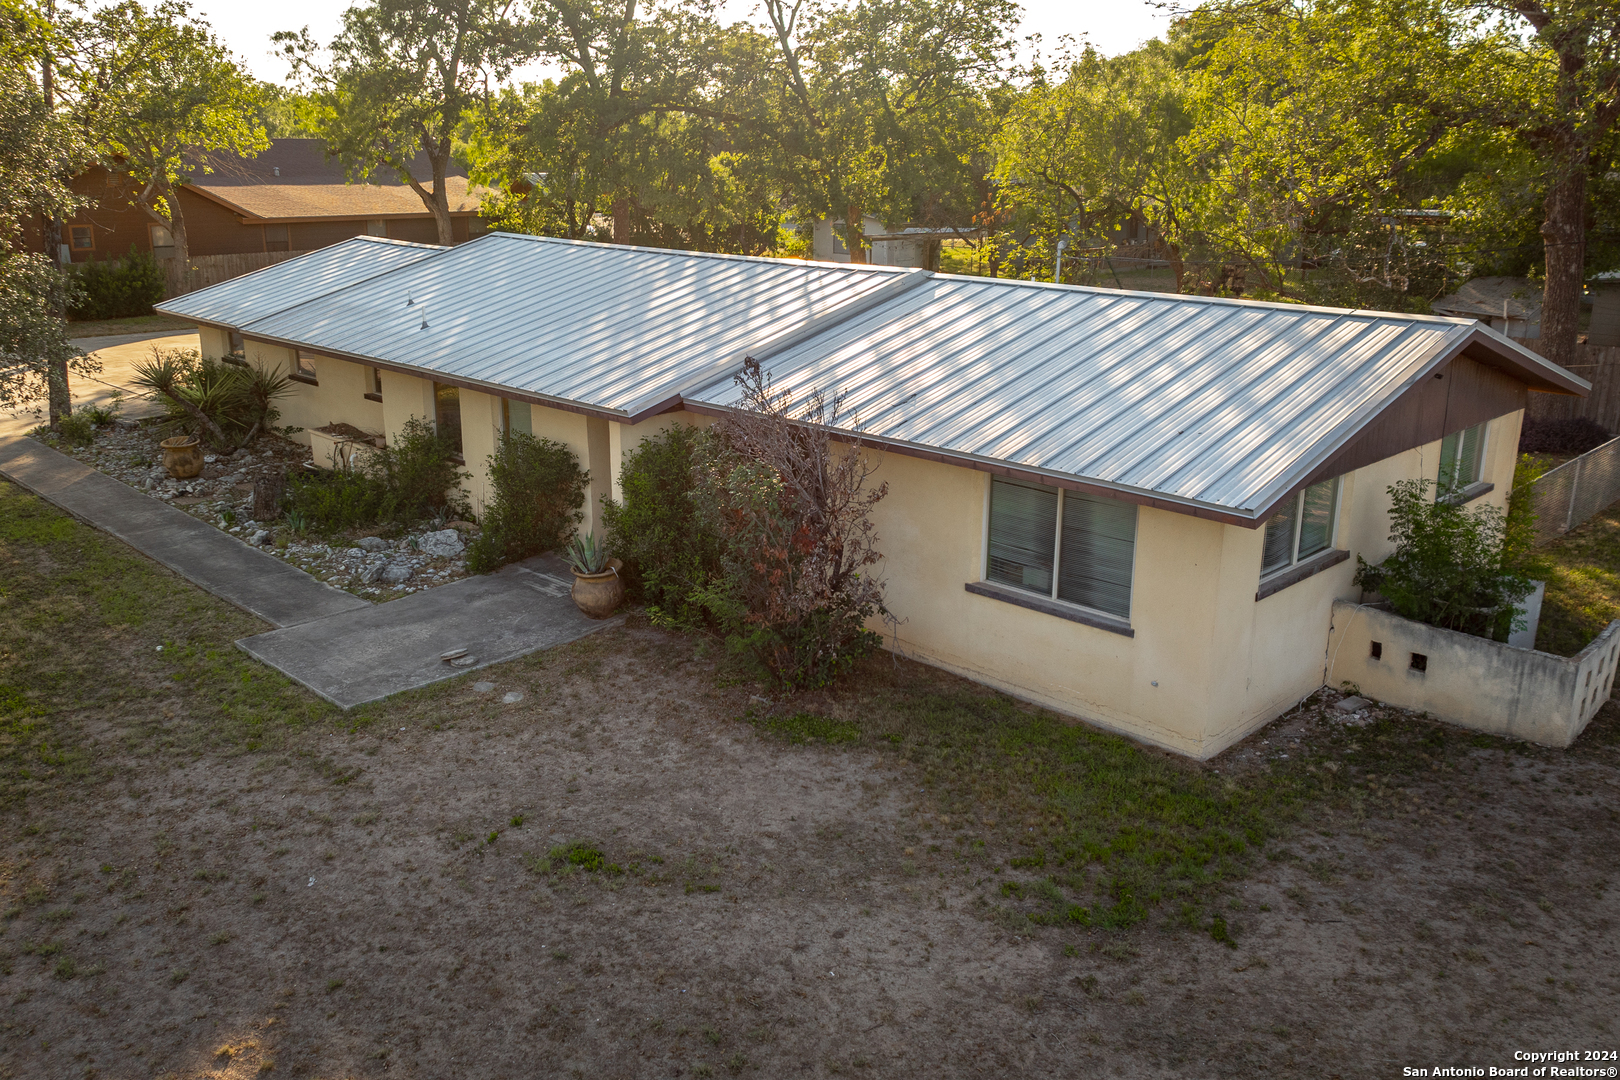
483,687
512,697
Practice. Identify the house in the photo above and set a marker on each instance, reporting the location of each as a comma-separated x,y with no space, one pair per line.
289,198
1134,508
1604,291
911,245
1508,305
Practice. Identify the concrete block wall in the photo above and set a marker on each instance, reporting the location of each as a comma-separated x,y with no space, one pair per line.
1488,686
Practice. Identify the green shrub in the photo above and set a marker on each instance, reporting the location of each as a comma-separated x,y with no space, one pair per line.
412,478
668,551
117,288
539,490
1451,568
225,405
76,429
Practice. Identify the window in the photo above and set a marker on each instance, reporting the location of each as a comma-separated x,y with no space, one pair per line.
1064,545
1301,527
447,413
162,240
306,367
277,238
377,227
84,238
1462,454
515,416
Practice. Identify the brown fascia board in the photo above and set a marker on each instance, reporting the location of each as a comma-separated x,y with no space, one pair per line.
1536,372
493,389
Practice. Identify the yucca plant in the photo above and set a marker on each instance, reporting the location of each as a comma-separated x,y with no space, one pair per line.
224,405
585,555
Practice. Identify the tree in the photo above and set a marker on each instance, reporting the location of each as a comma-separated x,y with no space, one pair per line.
1549,72
39,154
1101,145
404,76
158,94
886,107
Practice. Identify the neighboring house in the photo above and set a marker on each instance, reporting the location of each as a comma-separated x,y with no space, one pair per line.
1508,305
289,198
1604,291
911,245
1135,508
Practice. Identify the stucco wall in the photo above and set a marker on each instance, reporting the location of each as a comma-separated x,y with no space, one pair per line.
1486,685
213,342
339,397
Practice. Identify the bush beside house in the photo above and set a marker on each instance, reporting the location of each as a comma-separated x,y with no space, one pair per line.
539,491
117,288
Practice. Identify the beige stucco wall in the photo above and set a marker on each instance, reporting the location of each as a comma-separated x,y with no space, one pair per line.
1470,681
213,342
339,397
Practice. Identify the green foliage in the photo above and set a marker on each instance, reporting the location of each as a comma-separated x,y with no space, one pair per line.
160,96
117,288
412,478
33,339
539,490
76,429
225,405
585,556
668,552
1450,566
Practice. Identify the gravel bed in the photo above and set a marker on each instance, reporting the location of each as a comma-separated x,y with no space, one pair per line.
378,564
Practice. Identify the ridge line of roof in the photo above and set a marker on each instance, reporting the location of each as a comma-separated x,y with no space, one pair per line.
683,253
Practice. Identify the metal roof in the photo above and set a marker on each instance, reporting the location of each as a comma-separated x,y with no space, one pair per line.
1209,405
239,301
1221,404
619,329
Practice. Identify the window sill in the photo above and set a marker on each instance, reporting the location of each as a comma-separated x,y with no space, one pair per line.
1469,493
1299,572
373,397
1047,606
305,379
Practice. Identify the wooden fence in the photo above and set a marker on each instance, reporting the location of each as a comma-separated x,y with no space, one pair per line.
1598,365
205,270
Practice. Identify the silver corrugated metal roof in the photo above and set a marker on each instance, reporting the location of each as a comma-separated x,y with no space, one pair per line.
252,296
1221,404
612,327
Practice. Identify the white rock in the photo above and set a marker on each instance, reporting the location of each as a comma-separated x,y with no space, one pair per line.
444,544
372,543
1351,704
396,574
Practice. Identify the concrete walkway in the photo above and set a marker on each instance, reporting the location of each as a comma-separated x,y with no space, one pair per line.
345,649
275,591
369,654
118,355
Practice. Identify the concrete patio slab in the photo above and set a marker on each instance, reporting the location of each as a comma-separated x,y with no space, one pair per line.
364,655
275,591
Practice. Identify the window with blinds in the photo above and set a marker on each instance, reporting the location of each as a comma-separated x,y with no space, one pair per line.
1063,545
1462,456
1301,527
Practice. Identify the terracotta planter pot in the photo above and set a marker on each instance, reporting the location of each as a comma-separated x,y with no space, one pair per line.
182,456
597,595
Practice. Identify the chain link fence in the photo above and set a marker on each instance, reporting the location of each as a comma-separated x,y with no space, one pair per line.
1566,496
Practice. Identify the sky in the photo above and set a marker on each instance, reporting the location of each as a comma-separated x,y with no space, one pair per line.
1113,26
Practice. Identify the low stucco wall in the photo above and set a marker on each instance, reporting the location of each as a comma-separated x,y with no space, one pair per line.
1469,681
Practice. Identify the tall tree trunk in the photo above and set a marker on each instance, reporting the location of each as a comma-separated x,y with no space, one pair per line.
56,371
1564,234
621,221
177,228
854,229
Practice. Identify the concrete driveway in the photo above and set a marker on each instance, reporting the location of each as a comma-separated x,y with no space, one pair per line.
118,356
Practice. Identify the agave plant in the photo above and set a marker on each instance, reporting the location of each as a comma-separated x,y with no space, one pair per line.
225,405
585,555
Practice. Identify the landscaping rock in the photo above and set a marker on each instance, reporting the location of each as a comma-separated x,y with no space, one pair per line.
444,544
258,537
372,543
1351,704
396,574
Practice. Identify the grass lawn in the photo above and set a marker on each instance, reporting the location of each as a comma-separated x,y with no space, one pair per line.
1583,585
637,868
139,324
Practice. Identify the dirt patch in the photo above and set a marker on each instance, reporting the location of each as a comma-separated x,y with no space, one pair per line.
411,899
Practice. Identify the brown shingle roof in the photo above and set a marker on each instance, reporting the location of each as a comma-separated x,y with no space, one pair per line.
290,202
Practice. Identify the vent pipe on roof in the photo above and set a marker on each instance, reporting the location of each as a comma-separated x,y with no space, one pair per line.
1057,264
